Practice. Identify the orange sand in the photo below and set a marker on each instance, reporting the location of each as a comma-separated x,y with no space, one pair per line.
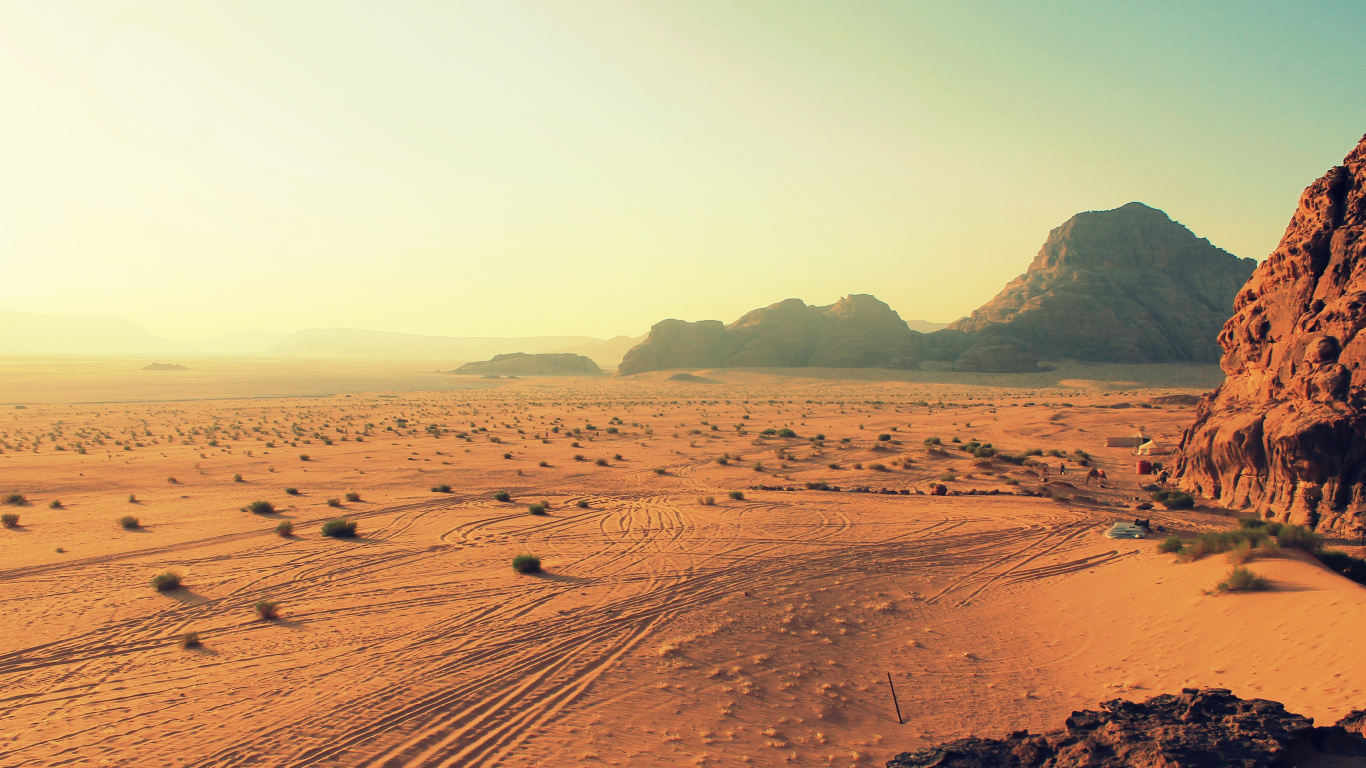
664,631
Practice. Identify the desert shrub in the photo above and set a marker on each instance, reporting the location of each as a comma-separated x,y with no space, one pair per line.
340,529
537,509
237,478
9,520
334,502
16,499
303,457
1242,579
1251,522
507,455
129,523
352,496
1170,545
1173,499
930,441
785,432
172,481
833,465
1241,552
1353,568
292,491
1215,542
661,471
817,487
190,640
706,501
526,564
1299,537
260,508
884,437
132,498
879,467
947,477
601,462
55,504
266,610
579,457
722,460
442,488
285,529
502,496
737,495
166,582
581,503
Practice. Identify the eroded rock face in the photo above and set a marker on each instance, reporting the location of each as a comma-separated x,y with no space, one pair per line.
1209,728
523,364
856,332
1285,434
1128,285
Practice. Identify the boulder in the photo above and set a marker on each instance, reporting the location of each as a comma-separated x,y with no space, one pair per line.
1285,434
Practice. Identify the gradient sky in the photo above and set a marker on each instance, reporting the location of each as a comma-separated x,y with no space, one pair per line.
517,167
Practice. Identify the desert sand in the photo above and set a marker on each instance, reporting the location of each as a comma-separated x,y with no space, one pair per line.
663,631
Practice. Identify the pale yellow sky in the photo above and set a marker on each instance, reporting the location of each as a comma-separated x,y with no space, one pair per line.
520,167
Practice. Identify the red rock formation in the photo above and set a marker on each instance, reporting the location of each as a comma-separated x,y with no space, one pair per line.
1285,433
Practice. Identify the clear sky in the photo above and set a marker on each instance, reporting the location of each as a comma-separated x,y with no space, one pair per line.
518,167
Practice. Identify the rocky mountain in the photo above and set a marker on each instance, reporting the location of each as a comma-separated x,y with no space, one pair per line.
522,364
1127,285
1210,728
857,331
1285,434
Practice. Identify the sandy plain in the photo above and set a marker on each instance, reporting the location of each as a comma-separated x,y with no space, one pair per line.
664,631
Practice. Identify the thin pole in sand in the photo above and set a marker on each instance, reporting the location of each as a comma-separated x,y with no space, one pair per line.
894,701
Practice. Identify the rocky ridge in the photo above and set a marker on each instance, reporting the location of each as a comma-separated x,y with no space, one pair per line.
1126,285
1285,434
523,364
1208,728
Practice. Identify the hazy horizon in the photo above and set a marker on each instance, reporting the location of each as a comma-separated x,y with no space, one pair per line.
532,168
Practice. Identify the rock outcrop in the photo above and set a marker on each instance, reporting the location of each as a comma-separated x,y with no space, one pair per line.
855,332
1285,434
164,367
1209,728
522,364
1128,285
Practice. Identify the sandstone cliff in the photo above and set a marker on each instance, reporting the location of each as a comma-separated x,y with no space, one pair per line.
1128,285
1285,433
522,364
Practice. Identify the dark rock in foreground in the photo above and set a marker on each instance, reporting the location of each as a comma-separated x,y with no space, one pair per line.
522,364
1209,728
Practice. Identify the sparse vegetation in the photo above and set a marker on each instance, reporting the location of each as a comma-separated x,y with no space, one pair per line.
503,496
1172,499
9,520
340,529
16,499
267,610
526,564
1170,545
132,499
285,529
260,507
55,504
169,581
737,495
537,509
334,502
129,523
292,491
582,504
237,478
352,496
442,488
190,640
1299,537
303,457
707,501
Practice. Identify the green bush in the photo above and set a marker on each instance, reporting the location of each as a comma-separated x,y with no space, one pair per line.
1170,545
526,564
166,582
707,501
303,457
737,496
237,479
352,496
722,460
16,499
661,471
190,640
1173,499
442,488
291,491
54,504
334,502
502,496
1299,537
1241,579
129,523
267,610
259,507
340,529
537,509
582,504
1353,568
786,433
9,520
285,529
601,462
884,437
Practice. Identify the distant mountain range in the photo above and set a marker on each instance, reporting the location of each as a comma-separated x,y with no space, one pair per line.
30,335
1127,285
